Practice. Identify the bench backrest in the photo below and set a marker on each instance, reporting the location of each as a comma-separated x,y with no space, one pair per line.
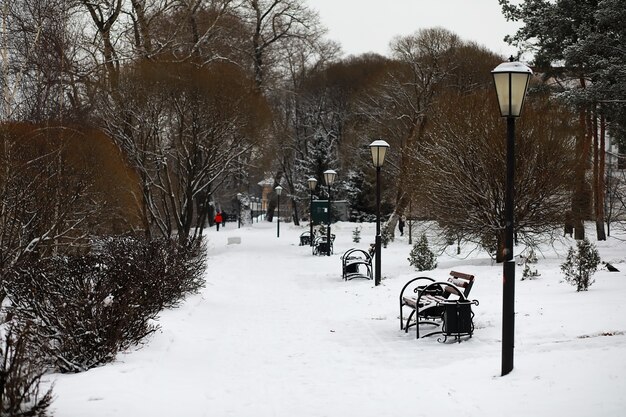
461,280
353,254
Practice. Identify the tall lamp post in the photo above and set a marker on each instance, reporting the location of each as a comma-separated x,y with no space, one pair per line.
238,210
278,190
329,178
379,149
511,80
312,183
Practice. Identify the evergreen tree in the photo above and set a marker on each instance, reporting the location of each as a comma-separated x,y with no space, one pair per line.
581,264
421,257
580,44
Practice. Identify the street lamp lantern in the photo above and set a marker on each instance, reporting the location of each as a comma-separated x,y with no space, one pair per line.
379,150
278,190
312,184
511,80
329,178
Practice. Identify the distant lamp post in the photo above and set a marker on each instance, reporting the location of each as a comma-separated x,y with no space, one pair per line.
251,199
379,149
329,178
511,81
238,210
278,190
312,184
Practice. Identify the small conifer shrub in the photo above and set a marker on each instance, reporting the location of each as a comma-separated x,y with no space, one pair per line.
356,235
529,261
580,265
421,257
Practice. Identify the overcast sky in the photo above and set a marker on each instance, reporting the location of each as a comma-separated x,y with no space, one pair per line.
369,25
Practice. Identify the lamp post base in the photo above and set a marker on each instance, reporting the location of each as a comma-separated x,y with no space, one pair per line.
377,255
508,317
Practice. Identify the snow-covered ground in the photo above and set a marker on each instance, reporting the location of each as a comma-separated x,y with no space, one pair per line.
277,332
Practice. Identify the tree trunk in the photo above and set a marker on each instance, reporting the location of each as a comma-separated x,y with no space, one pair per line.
600,185
500,245
271,204
296,216
581,196
407,170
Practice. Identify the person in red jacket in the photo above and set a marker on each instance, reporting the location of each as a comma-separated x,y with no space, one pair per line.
218,220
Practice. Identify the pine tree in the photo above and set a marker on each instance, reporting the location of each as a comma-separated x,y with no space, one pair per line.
530,270
581,264
421,257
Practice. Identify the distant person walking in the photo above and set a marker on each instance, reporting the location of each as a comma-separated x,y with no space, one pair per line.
401,225
218,220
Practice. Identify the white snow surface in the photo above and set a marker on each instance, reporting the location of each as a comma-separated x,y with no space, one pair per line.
277,332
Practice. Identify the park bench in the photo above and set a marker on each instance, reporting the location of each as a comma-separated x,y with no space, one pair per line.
320,245
443,304
353,261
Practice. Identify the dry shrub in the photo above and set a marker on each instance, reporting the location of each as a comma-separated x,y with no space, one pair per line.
20,376
85,308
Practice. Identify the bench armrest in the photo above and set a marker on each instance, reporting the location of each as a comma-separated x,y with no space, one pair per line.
414,284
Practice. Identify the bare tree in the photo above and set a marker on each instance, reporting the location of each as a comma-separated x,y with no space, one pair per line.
463,159
59,186
42,67
272,24
188,129
400,109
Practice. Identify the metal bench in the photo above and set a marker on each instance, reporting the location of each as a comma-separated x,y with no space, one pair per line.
443,304
305,238
352,263
320,245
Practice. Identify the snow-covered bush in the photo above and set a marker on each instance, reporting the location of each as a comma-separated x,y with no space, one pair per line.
581,264
421,257
166,270
20,376
86,308
82,315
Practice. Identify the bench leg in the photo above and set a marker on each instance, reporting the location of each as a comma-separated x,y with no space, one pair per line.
408,321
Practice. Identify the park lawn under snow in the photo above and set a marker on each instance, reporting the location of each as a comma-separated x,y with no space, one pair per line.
277,332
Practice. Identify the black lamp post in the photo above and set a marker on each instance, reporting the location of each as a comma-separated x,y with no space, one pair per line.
511,80
312,183
238,210
379,149
278,190
329,178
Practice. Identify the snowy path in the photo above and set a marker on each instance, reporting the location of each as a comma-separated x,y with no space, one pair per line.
277,332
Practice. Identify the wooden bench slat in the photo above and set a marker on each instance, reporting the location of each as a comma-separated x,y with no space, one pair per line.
462,275
459,282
